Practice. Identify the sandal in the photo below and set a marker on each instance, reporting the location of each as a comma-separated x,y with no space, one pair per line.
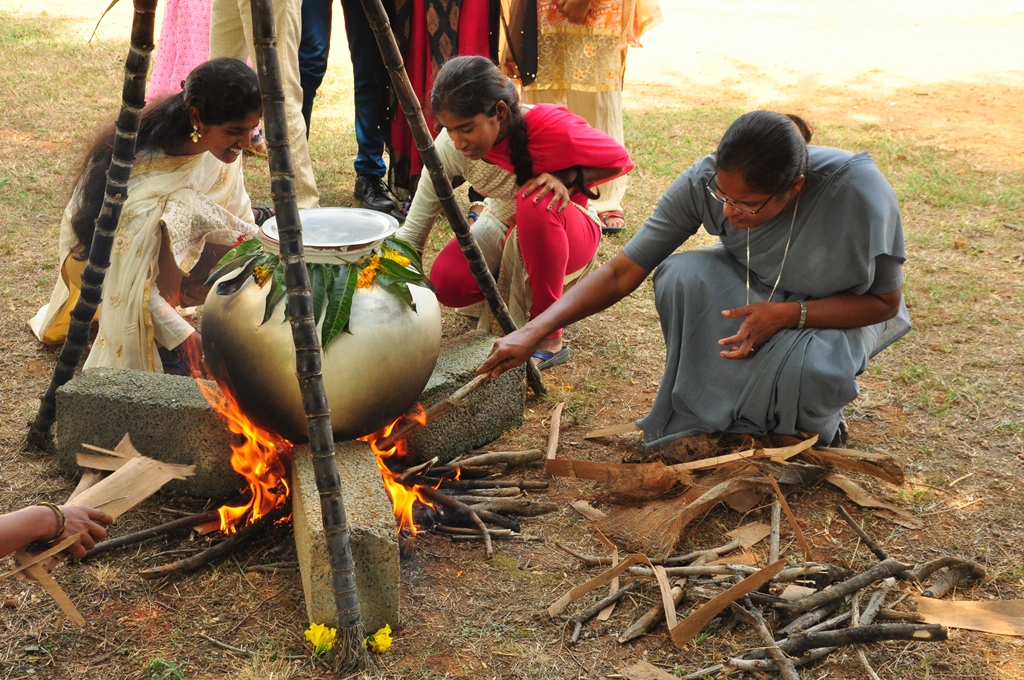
614,221
548,359
262,213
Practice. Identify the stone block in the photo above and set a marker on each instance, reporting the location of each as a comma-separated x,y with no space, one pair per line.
166,416
373,537
487,413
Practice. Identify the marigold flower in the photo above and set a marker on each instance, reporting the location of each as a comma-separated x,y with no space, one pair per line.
397,257
369,273
262,275
321,637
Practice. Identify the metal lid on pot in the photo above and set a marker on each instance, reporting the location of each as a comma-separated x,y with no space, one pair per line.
335,235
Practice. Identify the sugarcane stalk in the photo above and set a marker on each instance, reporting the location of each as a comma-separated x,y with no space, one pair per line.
392,58
133,99
349,654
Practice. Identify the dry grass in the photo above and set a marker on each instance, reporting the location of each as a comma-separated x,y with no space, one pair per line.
946,399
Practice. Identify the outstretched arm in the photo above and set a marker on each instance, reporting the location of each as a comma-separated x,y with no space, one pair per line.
613,281
42,523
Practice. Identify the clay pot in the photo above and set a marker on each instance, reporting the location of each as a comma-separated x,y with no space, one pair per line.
371,376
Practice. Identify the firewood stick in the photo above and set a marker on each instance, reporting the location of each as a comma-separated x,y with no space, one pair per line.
489,494
949,580
593,610
511,458
587,560
752,617
711,553
500,520
466,531
928,568
450,502
477,500
553,431
811,618
654,615
798,644
785,576
867,540
878,572
475,538
153,532
520,507
875,603
416,470
893,615
773,537
471,484
220,550
444,407
828,624
767,665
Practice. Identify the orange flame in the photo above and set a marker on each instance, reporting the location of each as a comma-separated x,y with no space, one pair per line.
402,497
257,454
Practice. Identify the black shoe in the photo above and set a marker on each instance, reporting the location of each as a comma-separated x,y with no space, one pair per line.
374,194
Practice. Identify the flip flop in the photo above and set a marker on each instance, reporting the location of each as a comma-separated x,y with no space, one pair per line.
549,359
607,216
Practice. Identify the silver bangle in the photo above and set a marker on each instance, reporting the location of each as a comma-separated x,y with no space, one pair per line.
803,314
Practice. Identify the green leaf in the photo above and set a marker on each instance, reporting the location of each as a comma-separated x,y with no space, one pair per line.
392,271
232,285
247,246
339,307
401,289
318,275
230,266
277,291
405,249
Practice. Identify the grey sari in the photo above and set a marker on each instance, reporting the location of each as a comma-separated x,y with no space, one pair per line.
847,237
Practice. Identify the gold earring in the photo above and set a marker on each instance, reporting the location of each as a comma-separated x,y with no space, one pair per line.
195,134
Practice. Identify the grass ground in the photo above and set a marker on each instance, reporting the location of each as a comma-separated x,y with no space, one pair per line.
946,399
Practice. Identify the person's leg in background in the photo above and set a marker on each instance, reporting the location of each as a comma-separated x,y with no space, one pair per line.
228,32
314,48
371,87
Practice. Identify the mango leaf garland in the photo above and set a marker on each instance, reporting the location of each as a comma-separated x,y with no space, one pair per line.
333,286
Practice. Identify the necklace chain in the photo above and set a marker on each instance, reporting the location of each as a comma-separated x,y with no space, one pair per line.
785,254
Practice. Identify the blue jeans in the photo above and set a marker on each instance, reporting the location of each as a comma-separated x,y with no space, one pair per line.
370,79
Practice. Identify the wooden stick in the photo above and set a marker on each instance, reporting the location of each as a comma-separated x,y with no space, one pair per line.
220,550
752,617
416,470
450,502
590,612
466,531
520,507
710,554
878,572
810,619
153,532
773,537
510,458
443,407
928,568
798,644
868,541
587,560
472,484
553,431
654,615
791,518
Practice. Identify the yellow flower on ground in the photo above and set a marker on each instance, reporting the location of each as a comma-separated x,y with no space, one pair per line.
380,641
321,637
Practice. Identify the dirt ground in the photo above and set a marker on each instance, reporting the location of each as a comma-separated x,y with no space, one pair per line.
945,75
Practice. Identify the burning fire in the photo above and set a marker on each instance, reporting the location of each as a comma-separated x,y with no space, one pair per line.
257,454
402,497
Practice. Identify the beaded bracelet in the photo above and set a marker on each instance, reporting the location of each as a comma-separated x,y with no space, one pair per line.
63,525
803,315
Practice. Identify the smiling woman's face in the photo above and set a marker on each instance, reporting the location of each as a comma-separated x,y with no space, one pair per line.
473,137
227,140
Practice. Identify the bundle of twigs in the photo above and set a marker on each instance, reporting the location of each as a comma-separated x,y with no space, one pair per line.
471,495
793,632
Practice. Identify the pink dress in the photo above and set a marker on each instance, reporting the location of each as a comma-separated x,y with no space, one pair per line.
184,44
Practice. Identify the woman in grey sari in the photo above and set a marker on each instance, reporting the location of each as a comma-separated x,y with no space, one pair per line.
767,330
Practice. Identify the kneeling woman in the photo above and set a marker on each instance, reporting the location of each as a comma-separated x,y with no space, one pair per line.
536,166
767,330
186,203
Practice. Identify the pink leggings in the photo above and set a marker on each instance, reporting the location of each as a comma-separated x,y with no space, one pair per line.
553,244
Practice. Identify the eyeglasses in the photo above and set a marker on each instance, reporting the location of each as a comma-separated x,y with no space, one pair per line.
728,201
